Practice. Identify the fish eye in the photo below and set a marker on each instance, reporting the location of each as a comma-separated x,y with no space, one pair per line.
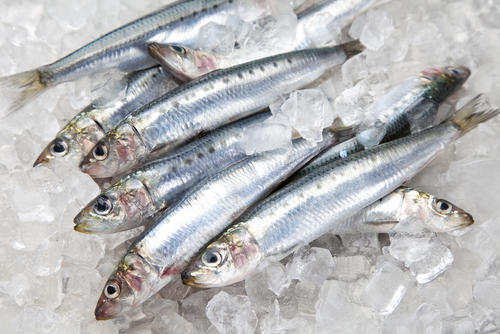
103,205
443,207
100,152
178,49
59,147
211,258
112,290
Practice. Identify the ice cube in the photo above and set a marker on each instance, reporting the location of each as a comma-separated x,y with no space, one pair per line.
105,327
379,26
429,319
216,38
335,311
385,289
231,314
350,268
311,265
487,293
171,323
273,133
309,112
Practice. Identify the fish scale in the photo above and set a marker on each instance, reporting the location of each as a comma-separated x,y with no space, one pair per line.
160,253
346,185
204,104
317,202
126,47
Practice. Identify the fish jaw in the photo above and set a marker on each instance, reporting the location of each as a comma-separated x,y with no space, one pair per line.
129,286
228,260
125,205
115,154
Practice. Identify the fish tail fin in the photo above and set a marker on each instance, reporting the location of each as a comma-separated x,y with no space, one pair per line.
352,48
18,89
475,112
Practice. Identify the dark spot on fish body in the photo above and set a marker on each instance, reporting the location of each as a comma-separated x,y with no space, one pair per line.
215,6
188,161
203,10
195,13
262,68
240,75
289,60
173,169
181,19
225,80
250,72
275,64
319,186
211,149
199,155
237,45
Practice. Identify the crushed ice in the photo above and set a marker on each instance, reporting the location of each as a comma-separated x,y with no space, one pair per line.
410,282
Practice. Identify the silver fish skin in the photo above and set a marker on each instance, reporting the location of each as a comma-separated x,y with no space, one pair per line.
328,16
413,102
410,106
205,104
160,253
432,213
77,138
133,200
124,48
314,204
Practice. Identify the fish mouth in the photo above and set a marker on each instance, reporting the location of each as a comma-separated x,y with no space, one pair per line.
192,279
44,158
105,310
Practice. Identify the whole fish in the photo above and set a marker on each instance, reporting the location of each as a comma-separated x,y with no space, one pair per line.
410,106
208,103
134,199
435,214
160,253
318,202
82,133
124,48
319,19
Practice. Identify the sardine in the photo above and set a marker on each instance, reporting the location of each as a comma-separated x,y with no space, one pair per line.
317,202
160,253
410,106
134,199
124,48
432,213
82,133
324,17
208,103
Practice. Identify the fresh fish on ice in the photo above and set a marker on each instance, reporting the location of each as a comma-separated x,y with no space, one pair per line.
125,48
318,202
206,104
159,255
83,132
134,199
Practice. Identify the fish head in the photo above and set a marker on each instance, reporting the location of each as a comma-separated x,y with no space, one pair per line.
115,154
125,205
228,260
438,215
74,141
444,81
184,63
129,286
